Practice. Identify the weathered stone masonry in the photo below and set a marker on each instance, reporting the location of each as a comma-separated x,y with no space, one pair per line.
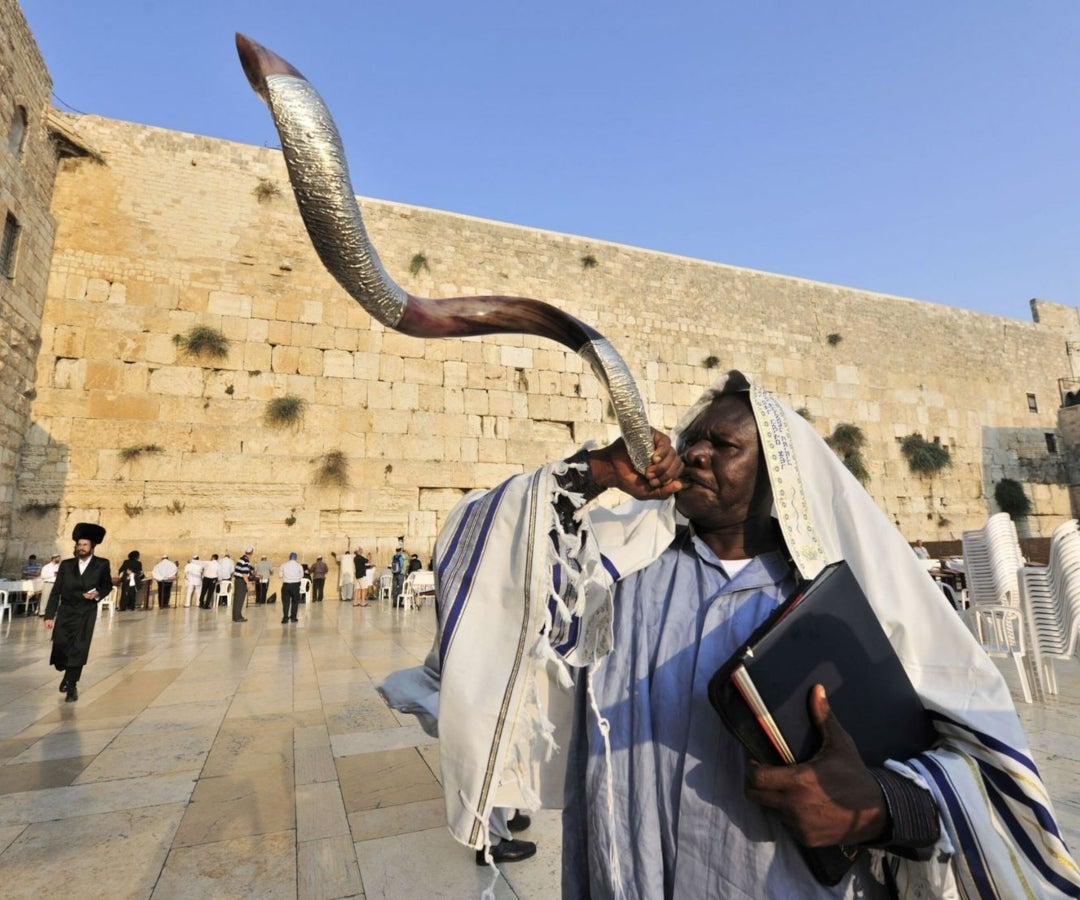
165,231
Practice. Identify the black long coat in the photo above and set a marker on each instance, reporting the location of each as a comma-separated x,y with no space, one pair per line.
74,616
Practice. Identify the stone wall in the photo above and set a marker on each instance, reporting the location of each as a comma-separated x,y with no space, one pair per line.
171,451
27,167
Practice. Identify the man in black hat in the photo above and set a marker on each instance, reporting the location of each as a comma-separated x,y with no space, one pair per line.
81,583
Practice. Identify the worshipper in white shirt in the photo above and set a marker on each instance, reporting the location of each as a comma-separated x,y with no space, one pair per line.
192,579
164,574
211,571
291,573
645,602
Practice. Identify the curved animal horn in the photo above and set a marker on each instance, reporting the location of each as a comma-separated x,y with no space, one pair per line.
320,180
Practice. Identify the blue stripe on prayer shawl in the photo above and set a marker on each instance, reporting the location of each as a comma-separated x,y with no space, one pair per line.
990,742
1000,784
610,566
465,582
969,845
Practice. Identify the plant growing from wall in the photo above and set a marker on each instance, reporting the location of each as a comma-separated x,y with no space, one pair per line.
133,510
290,519
588,261
418,263
834,338
36,508
847,441
202,340
175,508
287,410
266,190
127,454
333,470
711,362
924,457
805,413
1010,497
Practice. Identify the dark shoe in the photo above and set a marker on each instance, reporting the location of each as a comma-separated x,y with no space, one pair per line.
519,822
72,694
241,619
285,621
63,685
293,619
508,851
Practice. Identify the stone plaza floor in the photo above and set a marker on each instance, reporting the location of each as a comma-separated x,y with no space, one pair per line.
209,759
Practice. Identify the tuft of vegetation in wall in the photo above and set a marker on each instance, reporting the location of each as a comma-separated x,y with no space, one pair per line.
35,508
290,519
418,263
266,190
175,508
805,413
202,340
1010,497
333,470
924,457
834,338
127,454
287,410
588,261
711,362
133,510
847,441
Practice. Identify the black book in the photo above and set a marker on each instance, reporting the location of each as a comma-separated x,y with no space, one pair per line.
827,634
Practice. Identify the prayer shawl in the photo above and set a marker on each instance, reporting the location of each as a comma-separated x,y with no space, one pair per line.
519,600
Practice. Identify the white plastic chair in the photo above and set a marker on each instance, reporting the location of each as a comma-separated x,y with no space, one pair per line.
1052,599
305,590
386,588
224,591
5,607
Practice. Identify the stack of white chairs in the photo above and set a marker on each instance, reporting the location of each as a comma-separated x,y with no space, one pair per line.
996,616
305,589
5,607
1052,595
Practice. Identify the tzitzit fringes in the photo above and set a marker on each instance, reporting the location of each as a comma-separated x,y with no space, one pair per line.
605,734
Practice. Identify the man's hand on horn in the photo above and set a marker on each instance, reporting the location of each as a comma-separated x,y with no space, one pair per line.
611,468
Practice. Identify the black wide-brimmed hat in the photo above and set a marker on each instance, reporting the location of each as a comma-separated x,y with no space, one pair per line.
89,531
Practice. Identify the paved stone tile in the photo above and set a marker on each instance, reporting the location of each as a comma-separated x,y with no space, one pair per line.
327,870
107,855
243,748
320,812
230,806
66,744
400,818
158,753
384,739
387,778
37,776
262,866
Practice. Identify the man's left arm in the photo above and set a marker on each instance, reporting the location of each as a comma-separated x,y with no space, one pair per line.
834,799
104,580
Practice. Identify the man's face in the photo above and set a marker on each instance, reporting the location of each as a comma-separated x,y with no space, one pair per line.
83,548
725,482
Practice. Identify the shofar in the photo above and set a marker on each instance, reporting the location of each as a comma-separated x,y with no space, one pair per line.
320,180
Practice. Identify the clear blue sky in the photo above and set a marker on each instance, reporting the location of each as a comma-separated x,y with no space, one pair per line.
925,149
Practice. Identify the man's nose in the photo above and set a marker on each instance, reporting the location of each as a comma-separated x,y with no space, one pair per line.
696,453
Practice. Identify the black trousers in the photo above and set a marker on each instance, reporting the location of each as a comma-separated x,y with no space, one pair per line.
261,587
290,599
239,598
164,592
317,587
72,674
206,596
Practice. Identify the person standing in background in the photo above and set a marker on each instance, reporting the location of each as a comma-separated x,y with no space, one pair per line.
319,570
210,573
32,570
164,573
48,579
225,572
263,571
398,565
81,583
291,573
192,579
362,573
131,576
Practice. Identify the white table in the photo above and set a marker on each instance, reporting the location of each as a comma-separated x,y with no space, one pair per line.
28,589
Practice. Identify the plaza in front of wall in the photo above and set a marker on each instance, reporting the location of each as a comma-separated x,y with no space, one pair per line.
211,759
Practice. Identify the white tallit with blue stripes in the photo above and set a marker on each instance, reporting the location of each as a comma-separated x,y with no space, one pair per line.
512,588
